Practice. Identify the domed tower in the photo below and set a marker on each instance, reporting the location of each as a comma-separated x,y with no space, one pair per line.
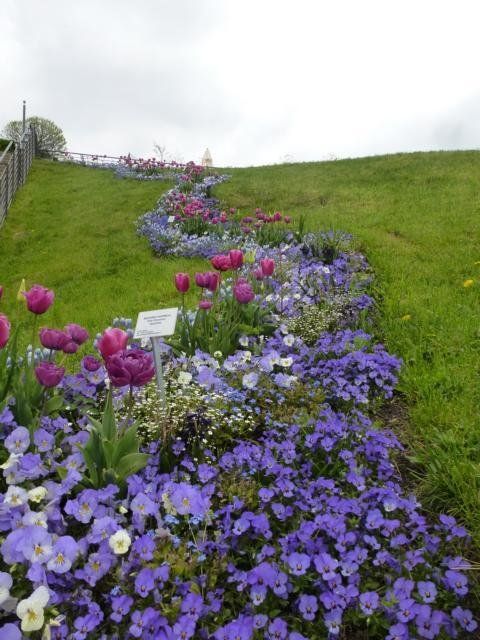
207,159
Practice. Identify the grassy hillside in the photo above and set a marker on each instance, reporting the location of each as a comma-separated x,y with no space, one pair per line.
71,228
417,218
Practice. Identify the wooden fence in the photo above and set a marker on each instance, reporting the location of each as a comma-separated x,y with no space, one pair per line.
15,163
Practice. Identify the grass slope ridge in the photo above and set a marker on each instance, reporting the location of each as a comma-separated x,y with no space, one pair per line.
416,216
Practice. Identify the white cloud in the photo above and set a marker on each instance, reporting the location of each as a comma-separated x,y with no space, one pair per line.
253,81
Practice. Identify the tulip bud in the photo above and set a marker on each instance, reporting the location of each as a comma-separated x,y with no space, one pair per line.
236,258
182,282
205,304
4,330
39,299
268,266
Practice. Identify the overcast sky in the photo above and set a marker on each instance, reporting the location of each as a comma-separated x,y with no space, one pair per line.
257,81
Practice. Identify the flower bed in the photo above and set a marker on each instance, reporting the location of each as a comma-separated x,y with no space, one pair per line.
260,500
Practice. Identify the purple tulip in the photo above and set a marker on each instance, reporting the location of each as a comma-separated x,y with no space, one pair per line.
267,265
48,374
77,333
182,282
91,364
243,292
202,279
4,330
70,347
205,304
53,339
236,258
39,299
133,367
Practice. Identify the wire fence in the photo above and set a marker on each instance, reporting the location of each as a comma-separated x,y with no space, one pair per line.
15,163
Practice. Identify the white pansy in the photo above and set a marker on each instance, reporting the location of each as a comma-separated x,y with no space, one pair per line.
16,496
286,362
6,582
123,510
243,341
184,378
120,542
296,296
37,494
35,518
246,356
217,354
30,610
289,340
12,460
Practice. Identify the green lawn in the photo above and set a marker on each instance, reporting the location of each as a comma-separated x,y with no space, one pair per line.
72,229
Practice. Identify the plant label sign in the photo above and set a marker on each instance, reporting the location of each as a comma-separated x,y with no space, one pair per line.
153,324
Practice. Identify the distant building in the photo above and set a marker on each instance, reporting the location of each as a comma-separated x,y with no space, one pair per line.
207,159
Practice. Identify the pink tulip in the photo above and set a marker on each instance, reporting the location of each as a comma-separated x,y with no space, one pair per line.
236,258
213,281
182,282
53,339
268,266
48,374
39,299
287,219
4,330
112,341
77,333
221,262
205,304
243,292
134,367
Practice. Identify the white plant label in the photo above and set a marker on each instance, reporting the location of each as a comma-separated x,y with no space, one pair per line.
152,324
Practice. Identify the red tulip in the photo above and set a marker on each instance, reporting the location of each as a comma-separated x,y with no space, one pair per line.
268,266
236,258
112,341
39,299
4,330
182,282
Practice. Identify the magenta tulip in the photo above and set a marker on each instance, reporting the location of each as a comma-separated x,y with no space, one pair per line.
4,330
112,341
236,258
268,266
202,279
205,304
39,299
182,282
221,262
78,334
277,216
53,339
243,292
48,374
70,347
213,281
134,368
